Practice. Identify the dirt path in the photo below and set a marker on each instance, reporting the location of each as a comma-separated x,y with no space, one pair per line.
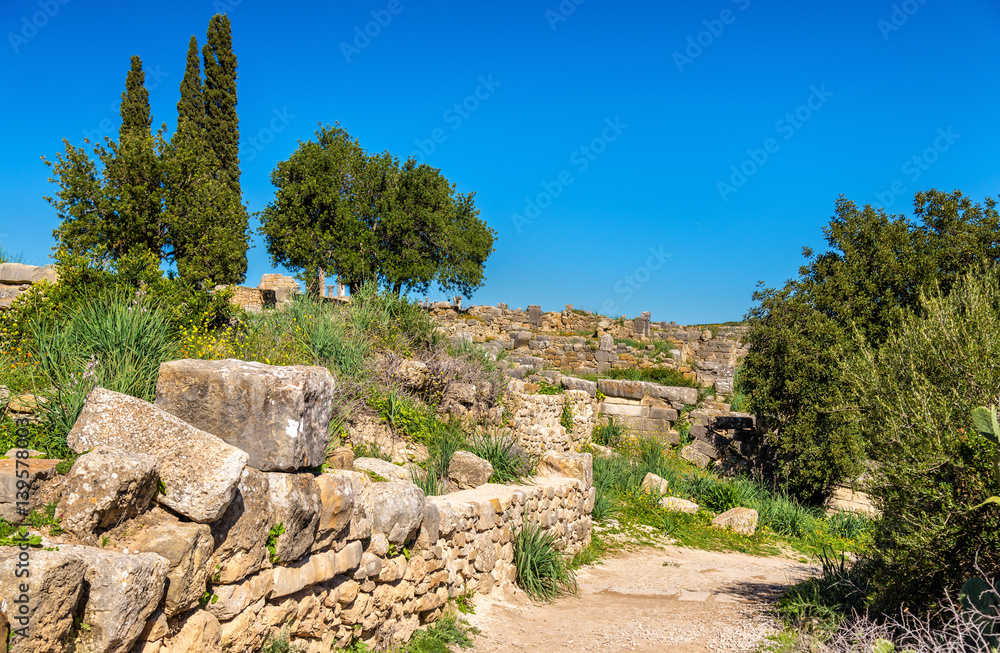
669,599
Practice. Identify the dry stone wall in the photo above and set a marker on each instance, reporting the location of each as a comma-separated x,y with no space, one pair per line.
186,547
16,278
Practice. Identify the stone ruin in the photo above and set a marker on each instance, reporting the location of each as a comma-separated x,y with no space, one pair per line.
202,522
16,278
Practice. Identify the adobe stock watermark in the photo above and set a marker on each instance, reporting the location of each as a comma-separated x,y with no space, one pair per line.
225,6
363,35
562,12
897,18
631,283
580,158
109,126
786,126
455,116
697,44
30,25
255,143
918,164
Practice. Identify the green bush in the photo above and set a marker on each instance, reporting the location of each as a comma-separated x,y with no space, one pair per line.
918,391
542,571
611,434
510,461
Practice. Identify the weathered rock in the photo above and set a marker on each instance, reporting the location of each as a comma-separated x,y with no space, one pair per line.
682,395
692,454
463,393
104,488
45,604
199,632
575,465
241,533
26,404
122,592
336,502
573,383
198,470
317,568
234,599
382,469
412,374
467,470
13,274
654,483
38,471
607,343
186,546
295,502
341,458
679,505
397,509
279,415
738,520
485,553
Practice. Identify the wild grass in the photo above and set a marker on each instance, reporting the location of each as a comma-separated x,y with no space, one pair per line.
610,434
542,571
511,463
660,375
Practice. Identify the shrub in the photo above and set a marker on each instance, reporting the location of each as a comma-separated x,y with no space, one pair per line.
510,461
608,435
542,571
919,389
444,633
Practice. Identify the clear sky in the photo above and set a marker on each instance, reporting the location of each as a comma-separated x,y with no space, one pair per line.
632,156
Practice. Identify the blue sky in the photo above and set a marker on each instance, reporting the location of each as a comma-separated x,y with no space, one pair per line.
631,156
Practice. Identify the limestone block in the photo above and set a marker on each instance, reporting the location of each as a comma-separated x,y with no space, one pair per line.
574,465
198,470
122,592
241,533
467,470
607,343
317,568
654,483
46,605
104,488
397,509
15,274
341,458
687,396
295,503
623,410
34,472
186,546
738,520
199,632
230,600
382,468
679,505
692,455
336,503
279,415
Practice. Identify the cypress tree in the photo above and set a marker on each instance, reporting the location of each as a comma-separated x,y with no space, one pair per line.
136,119
191,107
222,128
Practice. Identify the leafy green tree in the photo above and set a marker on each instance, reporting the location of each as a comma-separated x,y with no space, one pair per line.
191,106
874,271
222,125
366,219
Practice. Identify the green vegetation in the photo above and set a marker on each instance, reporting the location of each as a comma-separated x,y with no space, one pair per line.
444,633
368,219
510,462
177,199
610,434
272,541
542,571
661,375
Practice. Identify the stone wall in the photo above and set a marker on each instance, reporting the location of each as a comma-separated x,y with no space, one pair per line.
536,418
174,542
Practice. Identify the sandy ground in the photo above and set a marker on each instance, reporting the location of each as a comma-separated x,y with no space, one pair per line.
669,599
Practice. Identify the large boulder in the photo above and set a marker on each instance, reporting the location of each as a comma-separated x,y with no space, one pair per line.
653,483
40,608
16,500
122,593
198,470
186,546
199,632
104,488
295,504
467,470
279,415
241,533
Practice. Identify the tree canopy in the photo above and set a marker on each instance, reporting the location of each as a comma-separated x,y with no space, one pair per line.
179,198
366,218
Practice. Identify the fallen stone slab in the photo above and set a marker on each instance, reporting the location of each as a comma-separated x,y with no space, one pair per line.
122,593
104,488
199,471
738,520
279,415
40,616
